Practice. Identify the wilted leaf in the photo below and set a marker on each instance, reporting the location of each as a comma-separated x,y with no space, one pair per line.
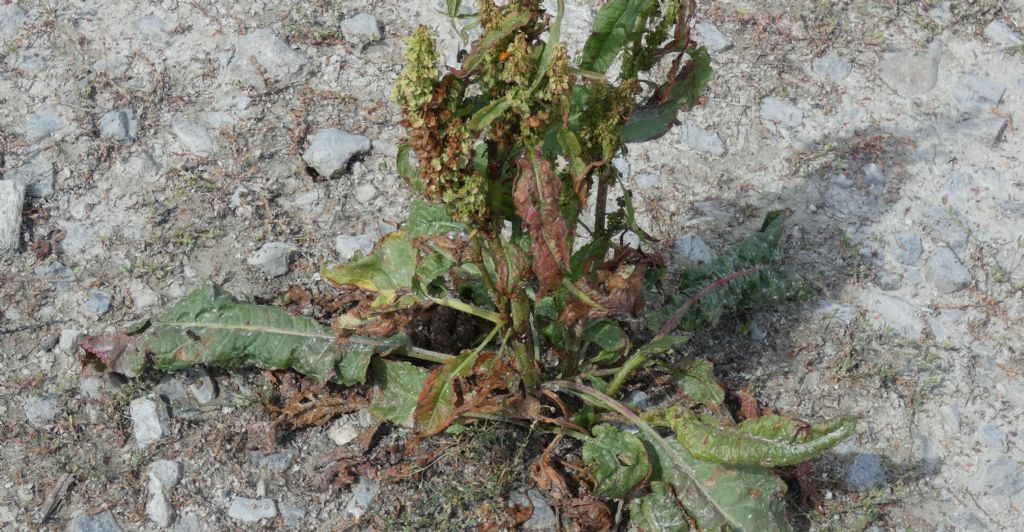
697,379
612,25
430,219
435,406
387,270
400,386
653,120
659,511
537,199
617,459
768,441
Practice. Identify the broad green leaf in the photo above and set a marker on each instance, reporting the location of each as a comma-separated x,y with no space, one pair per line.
400,386
491,112
769,441
435,405
697,379
617,459
353,362
432,266
652,121
387,270
658,511
430,219
607,335
515,20
554,34
612,24
755,281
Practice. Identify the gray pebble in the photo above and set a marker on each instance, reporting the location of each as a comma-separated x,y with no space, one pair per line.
98,303
710,36
702,141
781,112
911,72
41,409
945,272
347,246
1002,36
908,248
365,193
977,94
292,514
119,125
639,399
101,522
251,510
888,281
271,258
362,28
832,66
873,175
201,385
865,472
331,149
690,249
12,200
45,121
150,420
37,175
264,48
543,517
278,461
994,438
1001,477
193,137
362,496
163,477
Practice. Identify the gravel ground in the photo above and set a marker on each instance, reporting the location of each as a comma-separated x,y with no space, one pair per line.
153,146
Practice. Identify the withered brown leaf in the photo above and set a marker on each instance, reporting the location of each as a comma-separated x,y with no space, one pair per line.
537,198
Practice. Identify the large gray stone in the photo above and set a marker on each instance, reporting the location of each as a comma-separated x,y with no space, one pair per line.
12,200
945,272
1002,36
270,54
101,522
690,250
271,258
781,112
865,472
331,149
908,248
977,94
98,303
44,122
702,141
119,125
911,72
150,420
832,66
163,477
362,496
193,137
37,175
361,28
348,245
1001,477
710,36
11,19
278,461
41,409
250,511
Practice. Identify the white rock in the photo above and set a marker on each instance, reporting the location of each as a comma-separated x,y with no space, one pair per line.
150,420
362,496
690,249
894,314
345,429
945,271
832,66
362,28
189,523
712,37
331,149
41,409
365,193
143,297
37,175
12,199
543,517
347,246
911,72
271,258
781,112
201,385
264,48
11,19
119,125
251,510
68,341
153,28
98,303
163,477
1002,36
193,137
702,140
44,122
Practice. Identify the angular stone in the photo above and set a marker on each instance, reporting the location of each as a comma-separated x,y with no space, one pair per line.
702,141
887,281
150,420
292,514
271,258
163,477
911,72
12,200
272,55
41,409
362,28
38,176
365,193
690,249
543,517
193,137
832,66
44,122
1002,36
994,438
945,272
344,430
11,19
201,385
1001,477
865,472
977,94
331,149
908,248
347,245
249,510
101,522
119,125
189,523
873,175
278,461
710,36
98,303
781,112
362,496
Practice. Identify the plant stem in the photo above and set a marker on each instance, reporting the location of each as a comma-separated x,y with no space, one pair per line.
427,355
601,207
462,306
